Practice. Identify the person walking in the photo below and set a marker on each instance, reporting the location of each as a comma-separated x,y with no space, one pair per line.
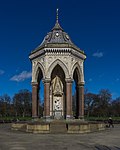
110,122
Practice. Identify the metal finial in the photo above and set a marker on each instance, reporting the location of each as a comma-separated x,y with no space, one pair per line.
57,15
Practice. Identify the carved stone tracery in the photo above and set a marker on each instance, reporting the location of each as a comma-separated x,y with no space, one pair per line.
57,61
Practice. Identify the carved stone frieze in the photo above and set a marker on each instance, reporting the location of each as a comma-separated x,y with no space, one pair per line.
57,61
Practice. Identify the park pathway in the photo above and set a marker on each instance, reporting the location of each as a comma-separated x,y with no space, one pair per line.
16,140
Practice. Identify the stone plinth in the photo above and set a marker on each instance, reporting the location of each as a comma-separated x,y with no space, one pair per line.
85,127
59,127
19,126
38,128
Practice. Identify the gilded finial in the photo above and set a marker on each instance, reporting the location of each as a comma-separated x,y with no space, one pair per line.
57,15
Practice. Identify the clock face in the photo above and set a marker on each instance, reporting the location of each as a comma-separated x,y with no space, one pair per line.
57,34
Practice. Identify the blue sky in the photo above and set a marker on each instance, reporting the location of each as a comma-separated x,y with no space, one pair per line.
94,26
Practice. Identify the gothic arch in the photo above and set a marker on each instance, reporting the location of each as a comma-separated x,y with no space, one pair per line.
61,64
79,72
78,78
37,68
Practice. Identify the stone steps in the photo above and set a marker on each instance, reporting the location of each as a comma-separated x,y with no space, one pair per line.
58,127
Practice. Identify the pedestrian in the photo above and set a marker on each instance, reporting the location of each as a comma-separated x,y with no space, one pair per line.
110,122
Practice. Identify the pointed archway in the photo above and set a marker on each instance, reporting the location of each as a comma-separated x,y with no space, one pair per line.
57,93
36,93
79,95
76,101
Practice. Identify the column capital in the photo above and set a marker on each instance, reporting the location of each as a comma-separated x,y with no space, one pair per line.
81,84
46,80
68,80
34,83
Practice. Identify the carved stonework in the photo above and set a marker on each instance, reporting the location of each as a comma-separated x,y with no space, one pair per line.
57,90
81,66
57,61
42,60
50,60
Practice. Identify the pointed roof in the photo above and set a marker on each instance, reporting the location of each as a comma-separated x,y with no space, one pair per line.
57,27
57,37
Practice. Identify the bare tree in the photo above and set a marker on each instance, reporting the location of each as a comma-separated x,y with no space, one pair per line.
98,104
5,105
105,98
90,103
22,103
115,107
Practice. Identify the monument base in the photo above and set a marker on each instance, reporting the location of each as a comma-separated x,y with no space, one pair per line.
58,126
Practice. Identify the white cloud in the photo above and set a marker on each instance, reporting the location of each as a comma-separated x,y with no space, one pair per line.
2,72
22,76
98,54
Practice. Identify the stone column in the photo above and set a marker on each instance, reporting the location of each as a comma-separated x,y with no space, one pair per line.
68,99
38,99
35,100
47,99
81,100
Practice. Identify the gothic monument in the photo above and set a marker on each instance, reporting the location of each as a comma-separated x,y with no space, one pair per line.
58,62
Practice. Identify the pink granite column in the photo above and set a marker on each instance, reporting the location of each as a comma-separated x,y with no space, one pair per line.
81,100
68,99
46,99
34,100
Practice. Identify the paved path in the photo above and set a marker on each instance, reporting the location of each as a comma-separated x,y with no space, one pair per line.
16,140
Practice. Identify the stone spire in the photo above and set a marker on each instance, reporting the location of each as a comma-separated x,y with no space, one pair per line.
57,15
57,25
